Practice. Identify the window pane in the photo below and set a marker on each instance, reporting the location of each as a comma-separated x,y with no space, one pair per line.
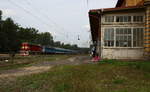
129,38
126,38
117,19
109,19
138,18
109,37
129,31
117,31
121,30
129,44
129,18
125,31
123,18
138,37
123,37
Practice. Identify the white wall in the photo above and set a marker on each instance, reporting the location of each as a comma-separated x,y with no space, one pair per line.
123,53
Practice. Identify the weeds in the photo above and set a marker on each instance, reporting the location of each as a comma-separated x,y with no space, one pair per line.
20,61
119,80
142,65
107,76
83,78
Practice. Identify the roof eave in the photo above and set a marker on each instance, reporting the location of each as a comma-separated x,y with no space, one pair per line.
115,9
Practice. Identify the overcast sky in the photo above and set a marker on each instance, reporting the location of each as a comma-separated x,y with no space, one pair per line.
64,19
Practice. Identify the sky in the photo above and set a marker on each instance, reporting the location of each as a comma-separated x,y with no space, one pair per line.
66,20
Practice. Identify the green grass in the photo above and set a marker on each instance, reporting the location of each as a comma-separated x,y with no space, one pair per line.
142,65
106,76
20,61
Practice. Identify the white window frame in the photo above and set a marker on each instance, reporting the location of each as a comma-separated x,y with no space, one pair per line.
123,35
132,46
137,17
123,19
140,40
131,20
108,19
107,29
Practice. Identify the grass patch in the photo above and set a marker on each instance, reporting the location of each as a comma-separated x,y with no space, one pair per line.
106,77
142,65
119,80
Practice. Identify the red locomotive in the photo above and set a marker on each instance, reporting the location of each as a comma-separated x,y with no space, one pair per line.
27,49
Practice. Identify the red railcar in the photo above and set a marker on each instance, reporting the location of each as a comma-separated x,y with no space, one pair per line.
27,49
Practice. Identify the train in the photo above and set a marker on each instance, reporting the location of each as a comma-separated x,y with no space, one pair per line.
32,49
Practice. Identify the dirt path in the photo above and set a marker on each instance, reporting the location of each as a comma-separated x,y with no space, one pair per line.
43,66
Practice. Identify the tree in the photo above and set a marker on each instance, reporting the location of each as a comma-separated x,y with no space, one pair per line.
0,15
67,46
8,36
2,35
45,39
27,34
74,47
57,44
12,35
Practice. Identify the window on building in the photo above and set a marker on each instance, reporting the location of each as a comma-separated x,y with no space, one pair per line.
138,37
109,37
109,18
138,19
123,37
123,18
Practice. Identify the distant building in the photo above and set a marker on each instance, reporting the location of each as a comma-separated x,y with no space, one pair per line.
122,32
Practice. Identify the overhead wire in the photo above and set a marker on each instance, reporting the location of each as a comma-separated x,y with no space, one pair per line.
28,12
47,17
35,16
35,9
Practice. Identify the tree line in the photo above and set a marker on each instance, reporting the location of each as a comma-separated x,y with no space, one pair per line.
12,35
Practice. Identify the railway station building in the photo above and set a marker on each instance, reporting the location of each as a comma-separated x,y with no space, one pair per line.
122,32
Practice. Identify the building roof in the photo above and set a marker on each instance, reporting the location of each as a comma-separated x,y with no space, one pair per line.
117,9
119,3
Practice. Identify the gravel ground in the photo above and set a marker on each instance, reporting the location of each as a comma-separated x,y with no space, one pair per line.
43,66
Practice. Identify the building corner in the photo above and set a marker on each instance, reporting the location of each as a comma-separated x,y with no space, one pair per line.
147,30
